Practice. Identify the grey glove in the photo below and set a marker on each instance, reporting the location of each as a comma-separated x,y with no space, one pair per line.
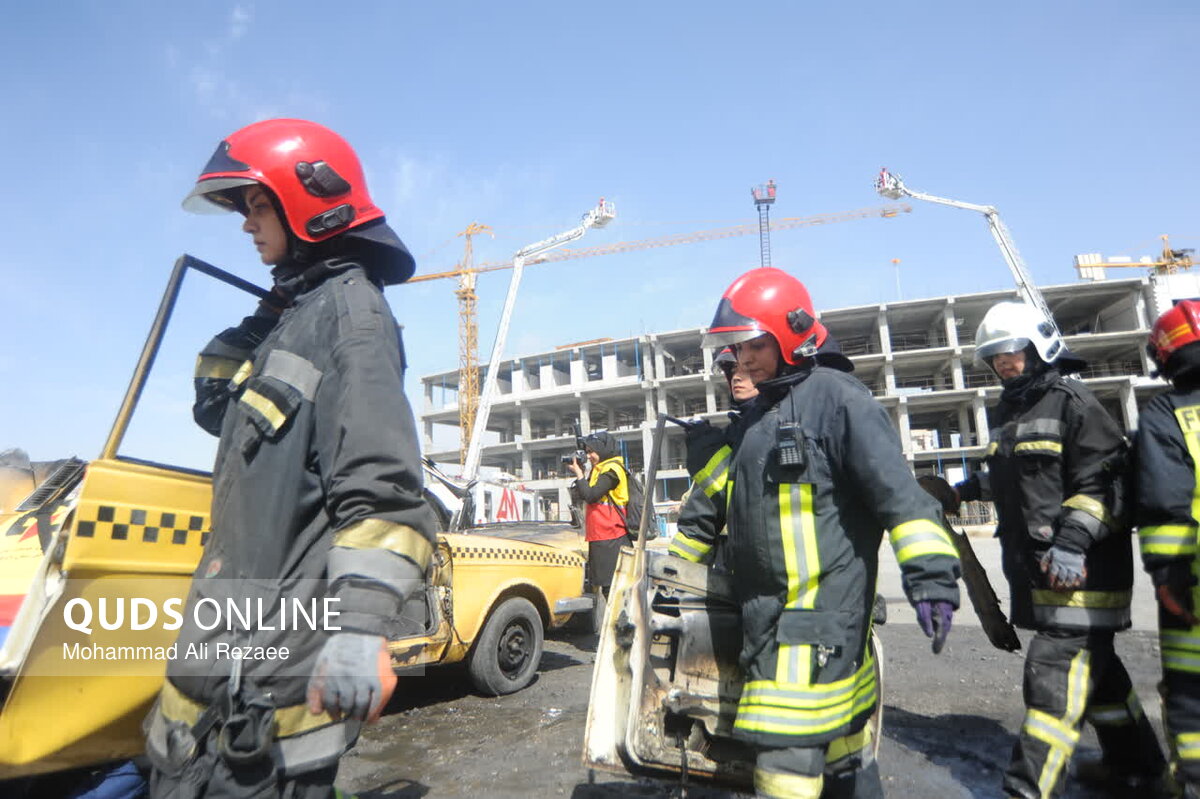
346,677
1063,564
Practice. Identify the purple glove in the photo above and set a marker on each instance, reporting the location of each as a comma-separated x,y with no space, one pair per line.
934,618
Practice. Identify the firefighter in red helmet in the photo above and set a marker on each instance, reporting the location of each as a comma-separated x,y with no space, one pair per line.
1167,513
317,494
817,477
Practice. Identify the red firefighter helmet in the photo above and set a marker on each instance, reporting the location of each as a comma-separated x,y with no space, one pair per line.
767,300
1174,330
316,178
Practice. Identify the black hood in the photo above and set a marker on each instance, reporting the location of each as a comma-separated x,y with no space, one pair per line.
374,246
603,444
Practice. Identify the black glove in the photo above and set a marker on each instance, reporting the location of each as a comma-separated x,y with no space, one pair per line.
1173,587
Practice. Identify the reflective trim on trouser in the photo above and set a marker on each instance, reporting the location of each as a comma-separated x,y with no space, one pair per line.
1180,650
1059,665
790,773
1057,669
1181,718
848,767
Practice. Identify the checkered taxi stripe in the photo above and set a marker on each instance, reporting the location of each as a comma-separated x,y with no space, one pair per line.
538,556
108,522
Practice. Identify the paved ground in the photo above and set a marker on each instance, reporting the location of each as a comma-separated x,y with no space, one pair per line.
949,720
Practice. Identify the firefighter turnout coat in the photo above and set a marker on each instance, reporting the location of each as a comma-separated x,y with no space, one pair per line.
1168,512
816,479
1055,458
317,494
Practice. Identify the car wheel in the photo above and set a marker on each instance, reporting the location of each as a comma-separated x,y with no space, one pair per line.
507,653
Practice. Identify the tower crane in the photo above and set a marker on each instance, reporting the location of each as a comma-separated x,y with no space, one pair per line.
892,187
1168,263
467,399
468,337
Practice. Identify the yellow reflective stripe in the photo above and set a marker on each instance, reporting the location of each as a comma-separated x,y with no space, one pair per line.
1090,506
791,721
1180,650
689,548
268,409
848,745
1039,446
920,537
1180,639
1061,735
991,448
214,366
715,474
1187,744
242,373
774,785
1169,539
797,526
290,720
1082,599
381,534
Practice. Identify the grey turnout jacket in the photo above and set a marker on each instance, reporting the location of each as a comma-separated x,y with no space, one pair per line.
317,492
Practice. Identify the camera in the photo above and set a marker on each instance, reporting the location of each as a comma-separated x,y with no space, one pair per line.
577,455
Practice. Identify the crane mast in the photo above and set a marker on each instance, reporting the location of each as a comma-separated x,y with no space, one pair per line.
598,217
468,339
892,187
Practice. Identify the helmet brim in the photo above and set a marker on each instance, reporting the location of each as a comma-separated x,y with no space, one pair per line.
727,337
396,262
984,353
209,196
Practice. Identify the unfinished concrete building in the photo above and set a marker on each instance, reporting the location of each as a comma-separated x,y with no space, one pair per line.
915,356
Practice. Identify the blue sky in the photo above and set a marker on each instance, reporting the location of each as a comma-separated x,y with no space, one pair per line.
1077,120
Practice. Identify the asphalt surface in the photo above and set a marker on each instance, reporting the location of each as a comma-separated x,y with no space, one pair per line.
949,720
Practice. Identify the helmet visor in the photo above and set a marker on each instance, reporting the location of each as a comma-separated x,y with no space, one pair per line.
728,337
984,352
214,196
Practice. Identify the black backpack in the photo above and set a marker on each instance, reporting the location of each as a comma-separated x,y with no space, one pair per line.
633,511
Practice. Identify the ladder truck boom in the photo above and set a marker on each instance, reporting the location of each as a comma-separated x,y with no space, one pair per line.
892,187
598,217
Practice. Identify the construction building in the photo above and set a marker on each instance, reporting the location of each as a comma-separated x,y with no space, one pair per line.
916,357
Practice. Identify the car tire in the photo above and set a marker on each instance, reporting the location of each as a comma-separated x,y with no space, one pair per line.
507,653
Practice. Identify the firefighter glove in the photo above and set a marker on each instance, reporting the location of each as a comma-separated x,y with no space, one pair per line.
1063,565
350,679
1173,586
935,617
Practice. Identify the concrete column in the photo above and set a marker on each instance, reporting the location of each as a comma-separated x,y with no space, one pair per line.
1129,408
428,392
651,413
1139,311
526,463
889,375
905,429
564,503
526,423
710,397
951,328
654,355
964,426
981,423
578,368
585,414
612,417
885,337
956,370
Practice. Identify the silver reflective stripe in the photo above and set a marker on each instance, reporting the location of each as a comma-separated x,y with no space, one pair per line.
385,567
317,749
1101,618
293,370
1085,520
1040,427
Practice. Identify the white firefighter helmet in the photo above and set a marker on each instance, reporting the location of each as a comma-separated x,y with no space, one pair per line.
1011,327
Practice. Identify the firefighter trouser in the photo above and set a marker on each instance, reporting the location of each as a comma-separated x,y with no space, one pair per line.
221,781
1071,676
843,769
1181,706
